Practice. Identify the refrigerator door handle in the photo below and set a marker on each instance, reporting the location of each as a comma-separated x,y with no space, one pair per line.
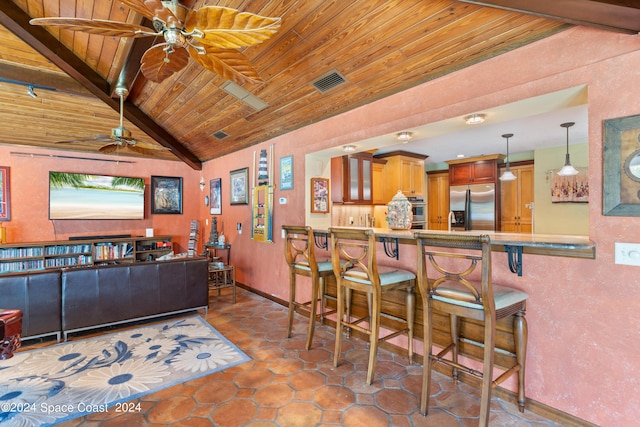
467,210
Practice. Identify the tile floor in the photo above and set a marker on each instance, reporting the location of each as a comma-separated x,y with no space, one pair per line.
286,385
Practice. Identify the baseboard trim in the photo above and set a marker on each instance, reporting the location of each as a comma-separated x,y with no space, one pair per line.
531,405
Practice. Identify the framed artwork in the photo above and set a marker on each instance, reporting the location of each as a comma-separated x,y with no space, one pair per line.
621,167
239,180
319,195
5,208
166,195
215,196
286,173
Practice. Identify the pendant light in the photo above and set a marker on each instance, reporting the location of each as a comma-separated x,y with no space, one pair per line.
567,169
507,175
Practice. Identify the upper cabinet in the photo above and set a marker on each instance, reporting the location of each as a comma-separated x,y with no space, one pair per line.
404,171
478,170
352,178
377,175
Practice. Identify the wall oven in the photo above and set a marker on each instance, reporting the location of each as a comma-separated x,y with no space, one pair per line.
419,210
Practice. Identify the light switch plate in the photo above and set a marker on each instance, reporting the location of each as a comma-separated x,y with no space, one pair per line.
627,253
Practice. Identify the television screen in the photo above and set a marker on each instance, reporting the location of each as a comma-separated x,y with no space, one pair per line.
86,196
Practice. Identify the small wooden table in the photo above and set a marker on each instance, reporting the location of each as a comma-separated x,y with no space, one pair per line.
222,276
213,249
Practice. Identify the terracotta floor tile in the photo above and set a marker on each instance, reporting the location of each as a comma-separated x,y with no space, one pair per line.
284,385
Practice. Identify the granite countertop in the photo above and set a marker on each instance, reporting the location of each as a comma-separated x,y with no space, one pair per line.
541,244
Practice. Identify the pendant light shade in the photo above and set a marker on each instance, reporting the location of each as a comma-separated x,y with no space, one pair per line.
507,175
567,169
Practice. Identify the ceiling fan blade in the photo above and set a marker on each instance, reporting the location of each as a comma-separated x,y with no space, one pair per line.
154,64
97,138
227,28
229,64
147,145
141,150
153,9
109,148
94,26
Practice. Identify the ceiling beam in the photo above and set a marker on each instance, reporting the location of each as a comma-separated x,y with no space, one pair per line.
29,76
17,21
622,16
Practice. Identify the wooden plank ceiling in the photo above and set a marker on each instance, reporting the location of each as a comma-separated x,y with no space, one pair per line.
379,47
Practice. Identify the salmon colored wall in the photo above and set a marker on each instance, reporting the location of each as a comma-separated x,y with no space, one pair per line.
584,355
30,197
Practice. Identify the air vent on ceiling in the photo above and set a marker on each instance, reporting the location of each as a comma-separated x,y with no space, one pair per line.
220,134
329,81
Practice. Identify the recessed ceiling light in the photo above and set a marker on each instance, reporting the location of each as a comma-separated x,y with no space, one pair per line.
475,119
460,156
405,136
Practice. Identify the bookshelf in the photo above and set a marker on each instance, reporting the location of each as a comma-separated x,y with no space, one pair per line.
24,257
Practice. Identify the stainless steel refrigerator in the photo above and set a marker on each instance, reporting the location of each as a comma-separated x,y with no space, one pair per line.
473,206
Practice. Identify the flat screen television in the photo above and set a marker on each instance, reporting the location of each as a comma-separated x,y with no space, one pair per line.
88,196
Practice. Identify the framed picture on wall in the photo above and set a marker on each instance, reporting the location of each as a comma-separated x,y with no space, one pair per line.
166,195
239,180
215,196
621,167
319,195
5,208
286,173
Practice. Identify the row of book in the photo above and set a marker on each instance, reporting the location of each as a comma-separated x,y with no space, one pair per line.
7,267
113,250
67,249
68,261
8,253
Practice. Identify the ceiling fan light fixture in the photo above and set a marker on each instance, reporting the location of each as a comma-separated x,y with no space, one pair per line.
404,136
475,119
567,169
507,175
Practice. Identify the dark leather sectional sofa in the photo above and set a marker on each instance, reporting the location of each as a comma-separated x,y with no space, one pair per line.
57,302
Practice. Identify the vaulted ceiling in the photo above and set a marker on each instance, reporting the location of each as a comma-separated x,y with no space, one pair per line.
367,49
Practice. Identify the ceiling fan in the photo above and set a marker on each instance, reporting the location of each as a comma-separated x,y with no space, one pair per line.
120,137
211,35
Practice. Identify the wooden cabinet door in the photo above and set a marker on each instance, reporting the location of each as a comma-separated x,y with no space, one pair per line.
515,216
416,170
438,201
377,183
460,174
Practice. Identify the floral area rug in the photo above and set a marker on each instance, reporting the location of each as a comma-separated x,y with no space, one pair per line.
103,374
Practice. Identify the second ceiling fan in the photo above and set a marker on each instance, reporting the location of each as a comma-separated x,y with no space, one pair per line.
210,35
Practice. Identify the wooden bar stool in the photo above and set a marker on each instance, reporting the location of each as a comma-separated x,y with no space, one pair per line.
449,283
355,265
299,251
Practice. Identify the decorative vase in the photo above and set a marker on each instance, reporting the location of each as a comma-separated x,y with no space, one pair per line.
399,215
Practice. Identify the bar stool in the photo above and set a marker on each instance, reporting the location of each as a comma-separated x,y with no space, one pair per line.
355,265
10,332
299,251
445,266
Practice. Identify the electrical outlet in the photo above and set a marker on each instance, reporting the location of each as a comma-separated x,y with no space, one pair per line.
627,253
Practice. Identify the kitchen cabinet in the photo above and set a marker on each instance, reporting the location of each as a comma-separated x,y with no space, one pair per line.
405,172
377,180
351,179
438,200
515,195
483,169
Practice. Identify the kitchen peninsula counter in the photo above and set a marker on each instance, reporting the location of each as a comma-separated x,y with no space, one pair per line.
539,244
